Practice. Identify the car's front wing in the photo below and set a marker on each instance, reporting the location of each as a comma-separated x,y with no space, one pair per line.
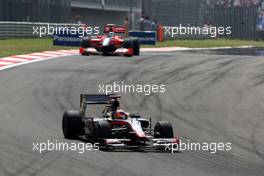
154,143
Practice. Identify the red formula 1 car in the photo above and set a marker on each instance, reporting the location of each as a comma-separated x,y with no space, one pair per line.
111,43
114,128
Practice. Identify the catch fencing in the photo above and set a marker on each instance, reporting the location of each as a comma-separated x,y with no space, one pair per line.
175,12
242,20
247,22
55,11
109,4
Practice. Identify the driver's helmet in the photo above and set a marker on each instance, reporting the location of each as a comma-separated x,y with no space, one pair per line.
114,105
120,114
111,34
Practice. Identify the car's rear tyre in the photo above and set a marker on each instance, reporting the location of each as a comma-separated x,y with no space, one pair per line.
102,130
163,129
134,43
86,42
72,124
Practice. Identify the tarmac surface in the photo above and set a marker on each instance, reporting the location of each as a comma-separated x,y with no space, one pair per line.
209,98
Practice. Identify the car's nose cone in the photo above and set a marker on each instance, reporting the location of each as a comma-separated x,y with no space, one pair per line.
106,41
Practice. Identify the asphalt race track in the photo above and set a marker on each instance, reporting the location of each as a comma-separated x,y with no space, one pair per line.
209,98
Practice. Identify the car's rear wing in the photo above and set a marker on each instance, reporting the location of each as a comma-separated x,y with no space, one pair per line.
114,28
95,99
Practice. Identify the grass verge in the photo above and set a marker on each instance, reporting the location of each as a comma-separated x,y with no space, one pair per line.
10,47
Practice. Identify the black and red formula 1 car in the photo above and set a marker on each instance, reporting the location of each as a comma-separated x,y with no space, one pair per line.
111,43
114,128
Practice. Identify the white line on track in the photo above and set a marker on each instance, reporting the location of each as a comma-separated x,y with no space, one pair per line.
186,49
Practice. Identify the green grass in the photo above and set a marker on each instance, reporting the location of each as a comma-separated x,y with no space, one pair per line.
206,43
10,47
24,46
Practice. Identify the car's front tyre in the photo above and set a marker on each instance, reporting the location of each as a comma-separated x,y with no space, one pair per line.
72,124
163,129
133,43
102,130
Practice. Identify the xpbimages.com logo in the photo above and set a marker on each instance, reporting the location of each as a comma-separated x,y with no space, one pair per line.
122,87
48,145
212,147
72,30
174,31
